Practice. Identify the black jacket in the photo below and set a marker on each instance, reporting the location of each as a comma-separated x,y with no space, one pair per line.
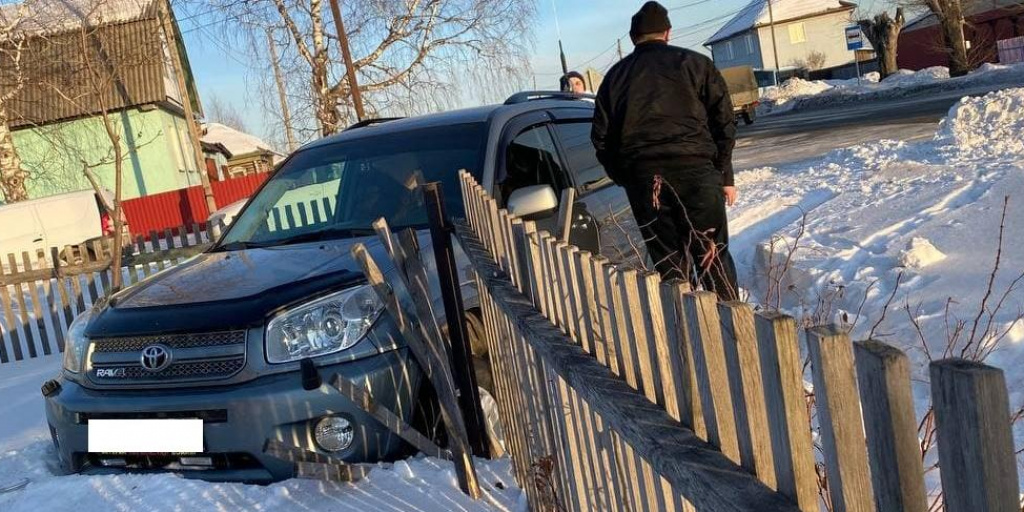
660,109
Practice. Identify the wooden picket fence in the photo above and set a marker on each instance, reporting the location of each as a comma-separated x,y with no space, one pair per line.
621,392
40,294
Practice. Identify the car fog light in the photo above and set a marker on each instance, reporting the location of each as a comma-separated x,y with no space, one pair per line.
113,462
333,434
196,461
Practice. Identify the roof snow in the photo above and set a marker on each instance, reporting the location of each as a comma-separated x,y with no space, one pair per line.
53,16
756,14
238,143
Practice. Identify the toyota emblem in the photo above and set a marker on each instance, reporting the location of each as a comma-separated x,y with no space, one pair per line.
156,358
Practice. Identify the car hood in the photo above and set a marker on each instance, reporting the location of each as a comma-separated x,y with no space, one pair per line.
235,289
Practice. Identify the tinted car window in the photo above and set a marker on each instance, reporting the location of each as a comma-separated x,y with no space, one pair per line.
348,185
580,154
531,159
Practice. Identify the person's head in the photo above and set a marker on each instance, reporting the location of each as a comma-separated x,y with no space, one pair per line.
573,82
650,23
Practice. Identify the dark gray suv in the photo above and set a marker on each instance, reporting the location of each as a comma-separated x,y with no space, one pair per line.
226,337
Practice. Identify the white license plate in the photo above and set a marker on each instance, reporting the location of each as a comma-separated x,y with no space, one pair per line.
146,436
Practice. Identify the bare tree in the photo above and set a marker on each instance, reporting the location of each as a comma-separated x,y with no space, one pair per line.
816,60
12,175
218,111
884,33
412,56
950,17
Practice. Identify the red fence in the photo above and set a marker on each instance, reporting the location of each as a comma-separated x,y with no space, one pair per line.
186,206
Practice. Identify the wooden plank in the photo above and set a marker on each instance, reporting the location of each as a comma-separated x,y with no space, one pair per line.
556,298
19,299
705,332
972,420
51,301
568,285
587,305
688,409
101,255
839,419
156,247
634,352
37,311
620,326
12,329
565,208
432,366
699,472
897,473
656,349
362,399
199,236
745,381
90,278
788,423
76,283
62,293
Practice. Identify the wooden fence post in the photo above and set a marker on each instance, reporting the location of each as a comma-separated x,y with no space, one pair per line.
897,474
712,380
745,380
788,421
689,408
976,449
842,431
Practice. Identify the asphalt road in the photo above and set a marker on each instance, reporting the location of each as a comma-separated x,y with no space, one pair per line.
792,137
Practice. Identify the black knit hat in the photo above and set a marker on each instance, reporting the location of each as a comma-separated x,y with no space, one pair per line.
652,18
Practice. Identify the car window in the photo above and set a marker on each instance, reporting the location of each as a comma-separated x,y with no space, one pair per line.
531,159
580,154
344,187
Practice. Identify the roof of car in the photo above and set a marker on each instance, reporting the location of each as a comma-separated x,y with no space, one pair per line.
482,114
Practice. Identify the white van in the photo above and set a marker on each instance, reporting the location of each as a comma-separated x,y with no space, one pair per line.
54,221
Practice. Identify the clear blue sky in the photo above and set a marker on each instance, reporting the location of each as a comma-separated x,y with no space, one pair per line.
589,30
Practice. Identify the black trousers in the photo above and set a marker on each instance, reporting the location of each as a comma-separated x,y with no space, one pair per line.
681,213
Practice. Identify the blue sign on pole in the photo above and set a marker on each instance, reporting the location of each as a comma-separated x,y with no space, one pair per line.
854,38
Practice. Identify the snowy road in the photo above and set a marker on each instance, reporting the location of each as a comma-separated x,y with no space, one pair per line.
788,138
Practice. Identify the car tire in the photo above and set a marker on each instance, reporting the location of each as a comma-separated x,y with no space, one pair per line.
478,345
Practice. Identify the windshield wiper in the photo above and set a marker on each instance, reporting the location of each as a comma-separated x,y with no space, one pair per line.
313,236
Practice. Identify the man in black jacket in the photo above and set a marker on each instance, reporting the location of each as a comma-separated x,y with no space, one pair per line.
664,130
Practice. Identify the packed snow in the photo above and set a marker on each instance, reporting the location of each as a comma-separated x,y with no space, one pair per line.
914,225
797,93
26,452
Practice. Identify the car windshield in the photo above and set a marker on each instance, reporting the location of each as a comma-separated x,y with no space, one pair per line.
338,190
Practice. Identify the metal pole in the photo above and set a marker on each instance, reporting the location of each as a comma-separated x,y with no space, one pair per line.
350,71
454,312
856,61
775,47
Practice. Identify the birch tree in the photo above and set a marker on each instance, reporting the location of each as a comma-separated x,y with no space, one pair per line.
410,56
12,175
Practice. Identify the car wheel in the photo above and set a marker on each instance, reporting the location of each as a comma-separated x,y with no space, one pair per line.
478,345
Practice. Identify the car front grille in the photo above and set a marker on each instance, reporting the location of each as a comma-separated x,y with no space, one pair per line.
172,358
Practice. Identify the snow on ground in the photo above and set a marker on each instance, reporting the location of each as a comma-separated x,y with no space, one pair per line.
929,210
797,93
419,484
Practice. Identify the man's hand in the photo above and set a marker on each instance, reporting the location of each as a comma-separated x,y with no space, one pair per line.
730,195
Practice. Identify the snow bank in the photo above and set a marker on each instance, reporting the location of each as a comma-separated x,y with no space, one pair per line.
803,94
989,126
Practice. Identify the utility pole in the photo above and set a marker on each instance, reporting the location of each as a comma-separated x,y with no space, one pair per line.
186,102
286,116
775,47
618,43
350,71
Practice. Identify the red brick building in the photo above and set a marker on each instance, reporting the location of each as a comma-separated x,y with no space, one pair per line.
988,21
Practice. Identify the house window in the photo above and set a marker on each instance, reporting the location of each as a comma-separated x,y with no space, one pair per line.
727,50
796,33
750,44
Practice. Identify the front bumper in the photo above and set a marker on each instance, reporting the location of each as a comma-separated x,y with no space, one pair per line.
239,419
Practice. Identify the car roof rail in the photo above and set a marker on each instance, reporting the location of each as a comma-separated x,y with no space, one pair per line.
525,96
367,122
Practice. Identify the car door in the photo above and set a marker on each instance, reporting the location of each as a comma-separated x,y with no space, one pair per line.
604,212
530,157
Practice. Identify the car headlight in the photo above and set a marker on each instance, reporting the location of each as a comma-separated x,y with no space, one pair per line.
324,326
76,345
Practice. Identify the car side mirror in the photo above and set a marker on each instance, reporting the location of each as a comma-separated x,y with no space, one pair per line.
532,200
